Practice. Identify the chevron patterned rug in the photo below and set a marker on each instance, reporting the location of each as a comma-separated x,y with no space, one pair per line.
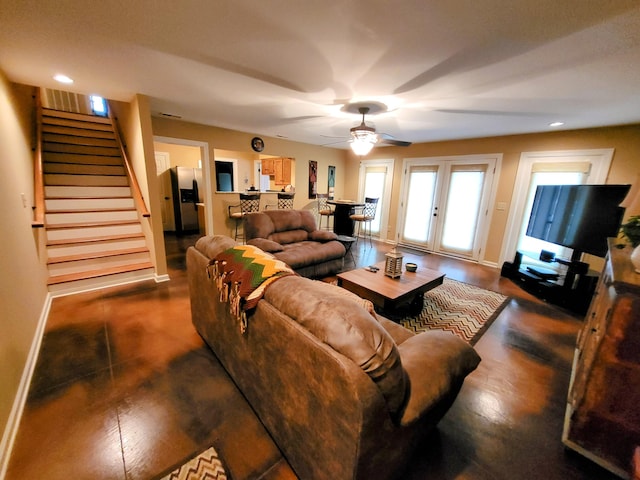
207,466
457,307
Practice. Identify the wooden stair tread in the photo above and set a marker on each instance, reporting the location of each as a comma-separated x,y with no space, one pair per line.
72,277
79,140
91,210
88,197
95,255
49,112
97,239
55,122
88,174
78,131
107,223
116,163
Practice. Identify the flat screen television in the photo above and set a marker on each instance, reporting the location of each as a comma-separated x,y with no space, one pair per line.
580,217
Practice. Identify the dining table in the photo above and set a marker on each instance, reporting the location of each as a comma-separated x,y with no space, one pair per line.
343,209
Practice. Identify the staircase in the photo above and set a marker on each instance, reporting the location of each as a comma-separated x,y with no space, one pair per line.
94,235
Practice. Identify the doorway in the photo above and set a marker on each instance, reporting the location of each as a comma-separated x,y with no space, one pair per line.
375,180
178,152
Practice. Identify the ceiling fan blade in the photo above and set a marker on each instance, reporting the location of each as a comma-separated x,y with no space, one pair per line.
335,136
344,140
387,139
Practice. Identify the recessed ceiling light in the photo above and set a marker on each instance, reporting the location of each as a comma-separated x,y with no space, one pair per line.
556,124
62,78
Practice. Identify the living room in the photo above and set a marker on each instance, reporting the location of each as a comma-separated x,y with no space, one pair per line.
26,301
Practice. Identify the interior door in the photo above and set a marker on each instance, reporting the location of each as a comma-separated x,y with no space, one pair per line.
163,165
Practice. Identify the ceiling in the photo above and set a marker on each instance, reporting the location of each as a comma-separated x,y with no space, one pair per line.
443,69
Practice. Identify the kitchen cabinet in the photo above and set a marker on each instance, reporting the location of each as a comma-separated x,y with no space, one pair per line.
602,420
268,166
282,171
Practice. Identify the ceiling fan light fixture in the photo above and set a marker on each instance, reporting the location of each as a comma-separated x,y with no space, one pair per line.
363,141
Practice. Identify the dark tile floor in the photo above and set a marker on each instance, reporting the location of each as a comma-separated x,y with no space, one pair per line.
124,388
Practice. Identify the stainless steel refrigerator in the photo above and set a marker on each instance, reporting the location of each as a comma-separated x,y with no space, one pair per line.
185,183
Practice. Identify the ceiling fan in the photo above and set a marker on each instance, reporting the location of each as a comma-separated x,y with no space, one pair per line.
364,137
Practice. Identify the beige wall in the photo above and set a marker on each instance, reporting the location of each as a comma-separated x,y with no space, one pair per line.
625,164
23,284
180,155
223,141
134,120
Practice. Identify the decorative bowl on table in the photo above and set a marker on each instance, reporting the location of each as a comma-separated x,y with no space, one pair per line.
411,267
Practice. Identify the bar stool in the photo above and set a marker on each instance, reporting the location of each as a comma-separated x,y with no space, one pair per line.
285,201
249,203
324,209
366,216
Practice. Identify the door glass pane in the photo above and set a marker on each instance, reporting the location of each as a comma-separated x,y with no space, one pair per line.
419,205
374,188
462,210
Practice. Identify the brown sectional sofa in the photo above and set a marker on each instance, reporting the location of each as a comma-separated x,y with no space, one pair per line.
344,393
292,236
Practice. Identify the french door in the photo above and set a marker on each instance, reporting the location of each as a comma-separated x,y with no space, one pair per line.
444,205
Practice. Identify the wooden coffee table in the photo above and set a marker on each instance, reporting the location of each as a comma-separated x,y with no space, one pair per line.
388,293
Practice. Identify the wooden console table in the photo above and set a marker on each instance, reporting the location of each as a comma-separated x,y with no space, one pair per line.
602,420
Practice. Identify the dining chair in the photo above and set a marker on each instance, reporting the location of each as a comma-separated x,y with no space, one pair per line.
324,209
366,215
249,203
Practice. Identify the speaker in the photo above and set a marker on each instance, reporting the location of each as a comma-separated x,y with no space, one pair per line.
517,260
547,256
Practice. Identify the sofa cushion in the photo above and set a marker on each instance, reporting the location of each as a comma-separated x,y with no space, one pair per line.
346,327
263,224
266,245
302,254
292,220
322,236
289,236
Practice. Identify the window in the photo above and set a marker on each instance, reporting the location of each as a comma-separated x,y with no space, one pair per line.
224,176
98,105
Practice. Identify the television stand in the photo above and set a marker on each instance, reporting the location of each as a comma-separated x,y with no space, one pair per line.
572,291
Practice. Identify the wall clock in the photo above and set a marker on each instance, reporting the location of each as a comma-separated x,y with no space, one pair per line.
257,144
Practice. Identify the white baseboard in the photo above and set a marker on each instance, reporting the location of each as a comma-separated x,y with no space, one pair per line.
11,428
162,278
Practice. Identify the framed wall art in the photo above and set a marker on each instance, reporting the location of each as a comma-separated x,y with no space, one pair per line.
331,182
313,178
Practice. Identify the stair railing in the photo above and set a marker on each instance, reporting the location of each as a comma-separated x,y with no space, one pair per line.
38,175
135,187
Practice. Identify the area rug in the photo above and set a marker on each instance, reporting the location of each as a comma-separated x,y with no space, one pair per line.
457,307
207,465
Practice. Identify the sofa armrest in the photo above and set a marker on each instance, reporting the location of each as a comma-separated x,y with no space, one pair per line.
436,364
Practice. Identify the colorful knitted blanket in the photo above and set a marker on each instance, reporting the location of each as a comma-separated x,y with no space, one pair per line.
242,274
